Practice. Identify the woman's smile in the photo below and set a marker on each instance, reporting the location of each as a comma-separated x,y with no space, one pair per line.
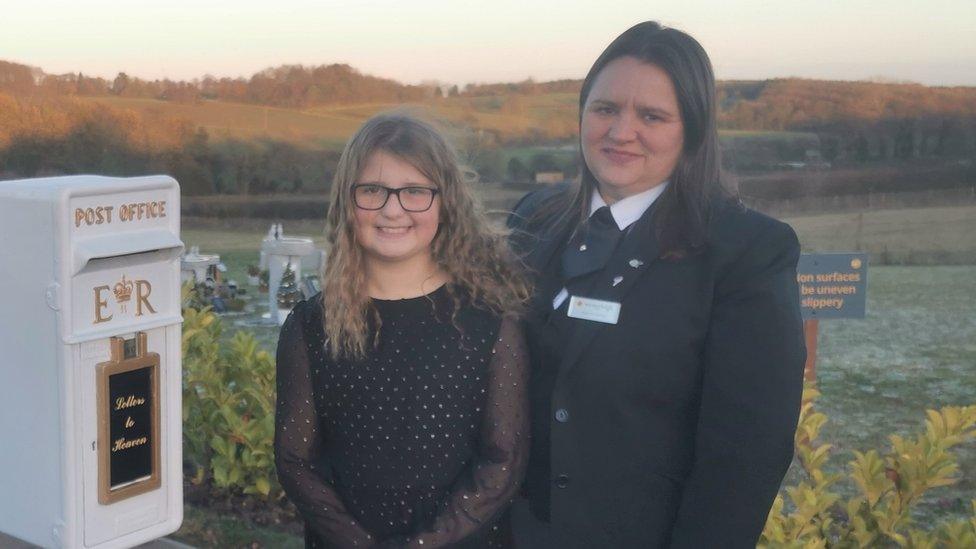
618,156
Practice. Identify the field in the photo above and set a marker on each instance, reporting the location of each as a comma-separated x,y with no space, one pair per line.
915,350
224,120
510,119
909,236
539,131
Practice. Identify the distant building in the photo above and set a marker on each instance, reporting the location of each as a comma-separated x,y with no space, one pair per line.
549,177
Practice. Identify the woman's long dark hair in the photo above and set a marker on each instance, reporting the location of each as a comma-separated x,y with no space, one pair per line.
682,212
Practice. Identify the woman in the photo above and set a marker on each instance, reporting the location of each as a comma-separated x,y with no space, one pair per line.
402,411
665,335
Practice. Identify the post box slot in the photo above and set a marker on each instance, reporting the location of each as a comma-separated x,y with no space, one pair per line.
121,261
92,249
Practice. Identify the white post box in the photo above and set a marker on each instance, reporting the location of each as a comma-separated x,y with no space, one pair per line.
90,360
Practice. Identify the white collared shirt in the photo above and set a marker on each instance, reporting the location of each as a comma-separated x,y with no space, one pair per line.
628,210
625,212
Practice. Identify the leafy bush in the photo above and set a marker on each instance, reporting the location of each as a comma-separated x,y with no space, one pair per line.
228,407
887,486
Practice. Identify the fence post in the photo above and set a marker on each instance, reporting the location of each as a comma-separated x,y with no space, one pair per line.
811,327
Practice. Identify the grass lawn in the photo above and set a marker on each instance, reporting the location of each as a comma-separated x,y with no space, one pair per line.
205,528
915,350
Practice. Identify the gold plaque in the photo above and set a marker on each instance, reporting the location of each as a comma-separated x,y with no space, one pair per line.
128,421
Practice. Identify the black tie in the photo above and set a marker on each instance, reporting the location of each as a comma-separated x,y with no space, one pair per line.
590,253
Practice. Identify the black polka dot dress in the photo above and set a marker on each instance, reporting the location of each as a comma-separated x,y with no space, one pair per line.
423,443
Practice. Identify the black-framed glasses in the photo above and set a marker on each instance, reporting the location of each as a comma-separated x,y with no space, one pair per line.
370,196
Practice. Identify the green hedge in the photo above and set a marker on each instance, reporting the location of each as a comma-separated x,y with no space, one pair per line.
228,408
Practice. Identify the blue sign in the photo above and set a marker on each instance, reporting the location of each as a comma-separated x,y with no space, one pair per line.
832,285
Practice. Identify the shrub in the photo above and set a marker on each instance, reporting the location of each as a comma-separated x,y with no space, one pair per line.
228,407
887,486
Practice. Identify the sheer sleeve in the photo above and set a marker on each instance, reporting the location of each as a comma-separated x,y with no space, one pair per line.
298,440
490,483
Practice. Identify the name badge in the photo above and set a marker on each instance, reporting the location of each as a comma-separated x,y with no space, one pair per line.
596,310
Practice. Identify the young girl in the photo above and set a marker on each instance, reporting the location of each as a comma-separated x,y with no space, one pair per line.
402,417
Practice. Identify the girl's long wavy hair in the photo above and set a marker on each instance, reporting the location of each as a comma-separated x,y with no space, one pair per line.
471,250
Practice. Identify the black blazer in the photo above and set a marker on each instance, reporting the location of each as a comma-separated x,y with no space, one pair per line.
674,427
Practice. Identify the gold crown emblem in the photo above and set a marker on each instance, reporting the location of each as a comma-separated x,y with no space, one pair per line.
123,292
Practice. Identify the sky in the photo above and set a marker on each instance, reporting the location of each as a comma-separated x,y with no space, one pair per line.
458,42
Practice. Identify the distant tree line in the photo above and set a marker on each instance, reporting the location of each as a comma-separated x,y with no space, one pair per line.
43,137
777,104
45,130
800,104
858,121
293,86
525,87
855,122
